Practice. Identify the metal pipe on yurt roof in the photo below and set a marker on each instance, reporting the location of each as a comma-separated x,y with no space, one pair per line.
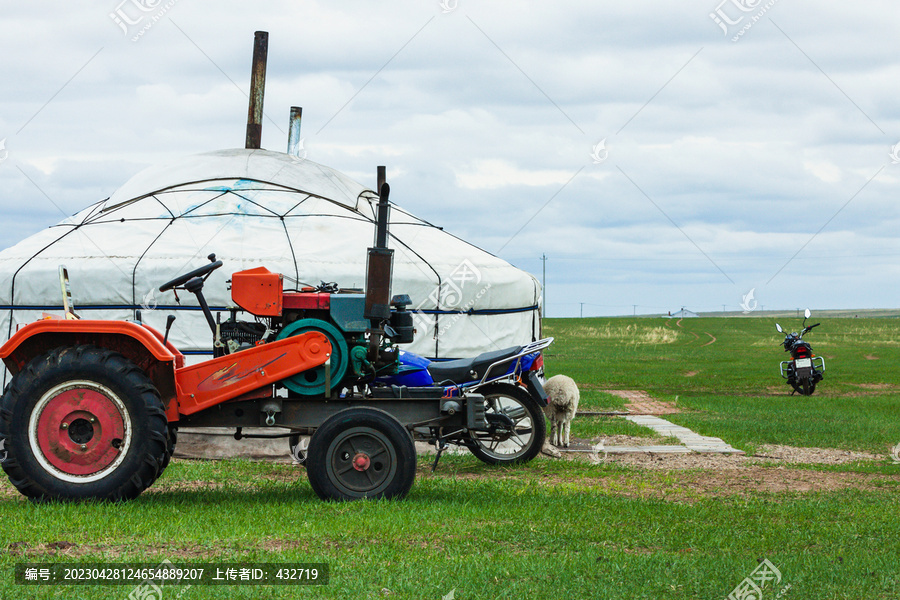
257,90
293,148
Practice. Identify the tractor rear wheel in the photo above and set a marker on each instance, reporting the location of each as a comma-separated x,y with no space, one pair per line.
361,453
82,422
171,440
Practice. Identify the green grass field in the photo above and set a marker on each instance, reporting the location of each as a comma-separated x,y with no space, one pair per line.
726,372
556,528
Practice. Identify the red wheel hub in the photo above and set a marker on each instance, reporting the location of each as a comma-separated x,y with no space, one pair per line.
361,461
80,431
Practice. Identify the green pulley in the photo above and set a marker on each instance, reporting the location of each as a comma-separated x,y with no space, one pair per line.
312,382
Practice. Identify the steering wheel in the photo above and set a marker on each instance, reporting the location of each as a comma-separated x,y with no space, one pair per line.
204,270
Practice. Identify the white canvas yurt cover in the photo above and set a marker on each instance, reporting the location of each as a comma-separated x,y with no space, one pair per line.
260,208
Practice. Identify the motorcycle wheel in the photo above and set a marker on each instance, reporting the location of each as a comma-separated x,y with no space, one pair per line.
804,387
517,428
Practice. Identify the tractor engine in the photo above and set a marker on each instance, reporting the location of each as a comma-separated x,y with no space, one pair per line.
338,314
237,335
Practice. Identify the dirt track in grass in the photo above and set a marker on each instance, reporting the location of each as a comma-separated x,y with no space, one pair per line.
694,477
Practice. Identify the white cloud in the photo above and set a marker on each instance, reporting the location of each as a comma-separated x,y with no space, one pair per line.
824,170
491,174
747,147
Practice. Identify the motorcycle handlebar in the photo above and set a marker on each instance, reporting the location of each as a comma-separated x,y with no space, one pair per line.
808,329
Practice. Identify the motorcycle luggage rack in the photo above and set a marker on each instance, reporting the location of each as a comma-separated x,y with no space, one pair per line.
527,349
820,366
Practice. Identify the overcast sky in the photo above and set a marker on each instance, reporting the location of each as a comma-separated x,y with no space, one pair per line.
661,154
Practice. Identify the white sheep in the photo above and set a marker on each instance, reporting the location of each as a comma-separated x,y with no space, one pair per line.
563,394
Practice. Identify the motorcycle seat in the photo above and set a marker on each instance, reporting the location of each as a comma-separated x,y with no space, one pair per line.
464,370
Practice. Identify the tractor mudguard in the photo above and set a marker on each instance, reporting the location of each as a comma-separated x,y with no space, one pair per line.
140,344
39,337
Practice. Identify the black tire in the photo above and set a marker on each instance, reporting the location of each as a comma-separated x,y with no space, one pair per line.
361,453
501,445
809,386
82,422
299,451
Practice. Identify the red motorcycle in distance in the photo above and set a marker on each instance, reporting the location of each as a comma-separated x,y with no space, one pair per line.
805,369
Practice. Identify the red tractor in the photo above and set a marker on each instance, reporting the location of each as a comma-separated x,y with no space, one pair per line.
93,406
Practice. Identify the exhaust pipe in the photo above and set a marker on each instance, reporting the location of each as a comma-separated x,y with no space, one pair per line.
380,265
378,278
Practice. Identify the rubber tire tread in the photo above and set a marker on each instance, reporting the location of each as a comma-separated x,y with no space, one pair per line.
171,440
808,387
83,362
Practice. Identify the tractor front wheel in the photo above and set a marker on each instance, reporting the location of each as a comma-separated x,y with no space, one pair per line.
82,422
361,453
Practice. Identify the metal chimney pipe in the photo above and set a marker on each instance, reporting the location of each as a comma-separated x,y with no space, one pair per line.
257,90
294,131
382,177
381,222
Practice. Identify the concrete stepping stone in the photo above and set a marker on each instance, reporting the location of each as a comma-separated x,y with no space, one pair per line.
693,441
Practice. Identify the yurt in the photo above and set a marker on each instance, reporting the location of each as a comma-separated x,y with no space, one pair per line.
254,207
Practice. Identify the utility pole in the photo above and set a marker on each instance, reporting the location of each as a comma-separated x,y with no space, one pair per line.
544,282
582,309
634,306
723,308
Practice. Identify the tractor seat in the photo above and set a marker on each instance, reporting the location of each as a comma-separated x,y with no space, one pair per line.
469,369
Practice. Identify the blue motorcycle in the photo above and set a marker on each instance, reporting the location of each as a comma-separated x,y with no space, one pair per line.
510,381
